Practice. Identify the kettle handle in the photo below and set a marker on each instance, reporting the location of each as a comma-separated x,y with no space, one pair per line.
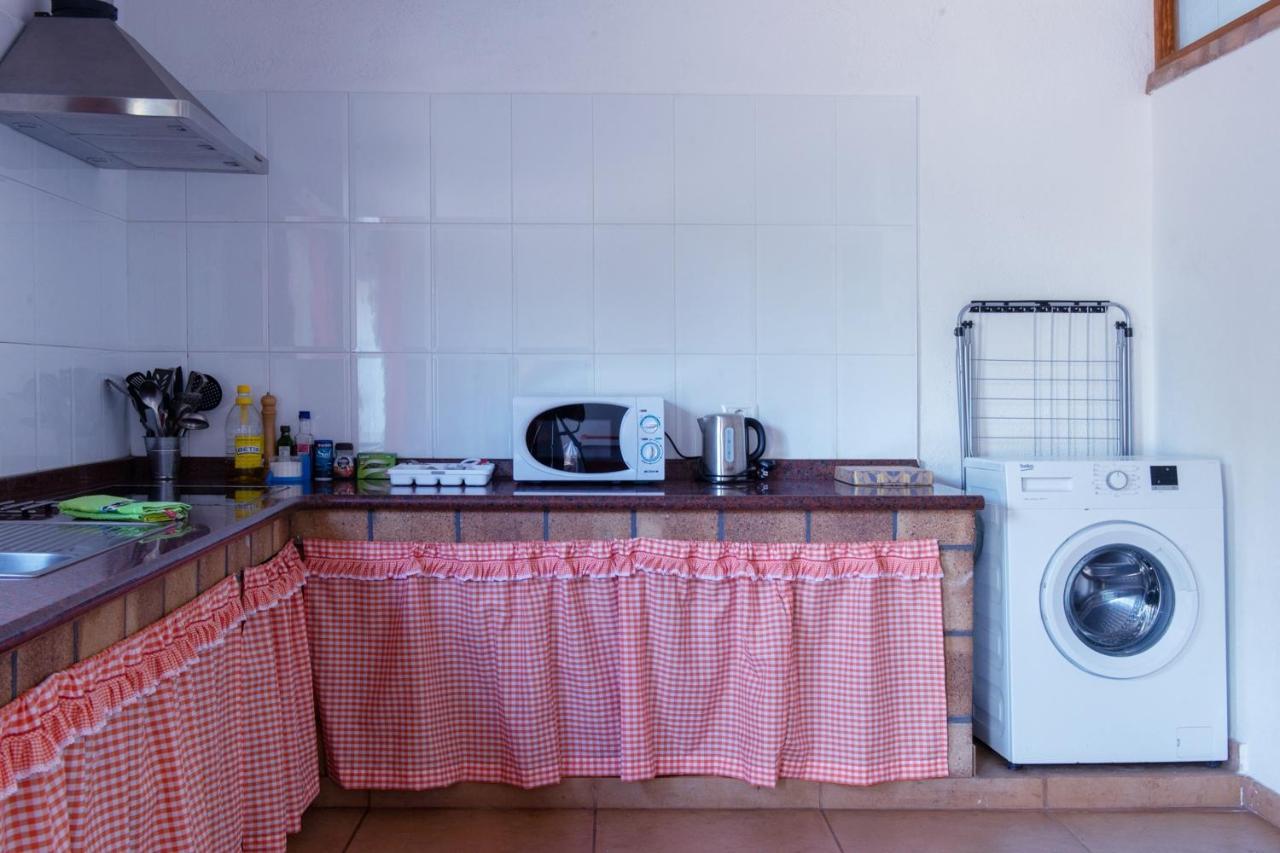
758,428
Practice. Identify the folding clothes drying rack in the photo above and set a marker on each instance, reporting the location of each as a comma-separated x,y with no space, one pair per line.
1044,378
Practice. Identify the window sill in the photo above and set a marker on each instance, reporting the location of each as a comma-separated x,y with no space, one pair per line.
1220,42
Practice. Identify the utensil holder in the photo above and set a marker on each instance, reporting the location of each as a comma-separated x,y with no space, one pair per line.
165,455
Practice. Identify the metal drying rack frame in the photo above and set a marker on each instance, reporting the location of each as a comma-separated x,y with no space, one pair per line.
1057,392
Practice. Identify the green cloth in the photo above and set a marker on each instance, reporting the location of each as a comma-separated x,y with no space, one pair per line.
108,508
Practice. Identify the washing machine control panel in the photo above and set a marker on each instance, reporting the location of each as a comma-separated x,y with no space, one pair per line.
1117,478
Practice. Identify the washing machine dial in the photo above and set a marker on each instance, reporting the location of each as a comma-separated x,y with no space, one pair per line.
1117,481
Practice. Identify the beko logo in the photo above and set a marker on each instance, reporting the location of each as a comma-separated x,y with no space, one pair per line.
1025,467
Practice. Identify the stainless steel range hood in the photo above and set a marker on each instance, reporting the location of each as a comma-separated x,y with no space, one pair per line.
76,81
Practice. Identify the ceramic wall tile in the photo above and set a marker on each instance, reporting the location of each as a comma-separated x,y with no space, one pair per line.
715,155
18,250
797,404
307,147
634,288
876,290
473,405
390,157
308,287
795,160
18,408
876,160
157,303
634,166
554,298
471,158
796,289
316,382
876,407
391,286
551,158
715,288
227,286
473,300
393,403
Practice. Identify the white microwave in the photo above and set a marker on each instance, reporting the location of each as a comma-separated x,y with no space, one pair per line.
588,438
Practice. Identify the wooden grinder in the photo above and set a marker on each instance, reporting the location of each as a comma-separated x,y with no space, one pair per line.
269,426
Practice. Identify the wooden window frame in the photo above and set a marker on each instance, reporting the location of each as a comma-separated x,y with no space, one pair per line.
1172,61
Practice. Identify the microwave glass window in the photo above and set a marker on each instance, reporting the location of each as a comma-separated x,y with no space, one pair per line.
582,438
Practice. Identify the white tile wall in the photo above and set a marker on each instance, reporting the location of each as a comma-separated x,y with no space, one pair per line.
414,260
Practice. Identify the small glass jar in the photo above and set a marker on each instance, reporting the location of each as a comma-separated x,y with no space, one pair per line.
344,461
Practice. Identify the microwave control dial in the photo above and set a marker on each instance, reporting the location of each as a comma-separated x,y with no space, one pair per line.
650,424
650,452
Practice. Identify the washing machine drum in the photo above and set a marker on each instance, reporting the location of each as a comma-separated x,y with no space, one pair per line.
1119,600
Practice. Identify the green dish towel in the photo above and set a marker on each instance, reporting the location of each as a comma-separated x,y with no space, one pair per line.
108,508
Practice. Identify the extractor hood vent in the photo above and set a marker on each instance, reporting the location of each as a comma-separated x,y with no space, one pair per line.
76,81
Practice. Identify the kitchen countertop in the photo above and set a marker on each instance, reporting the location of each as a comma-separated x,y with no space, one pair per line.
31,606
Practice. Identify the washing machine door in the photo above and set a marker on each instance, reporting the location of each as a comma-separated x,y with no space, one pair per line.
1119,600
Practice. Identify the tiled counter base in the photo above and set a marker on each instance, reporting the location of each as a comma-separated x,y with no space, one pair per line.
954,529
33,661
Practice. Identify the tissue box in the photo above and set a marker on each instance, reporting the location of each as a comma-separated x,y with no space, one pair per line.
374,466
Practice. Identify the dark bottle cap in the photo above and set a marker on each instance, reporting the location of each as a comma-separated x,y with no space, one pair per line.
344,445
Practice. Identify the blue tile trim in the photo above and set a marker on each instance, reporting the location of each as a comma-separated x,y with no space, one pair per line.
546,525
955,547
368,530
719,525
457,525
961,718
633,524
895,524
808,525
957,633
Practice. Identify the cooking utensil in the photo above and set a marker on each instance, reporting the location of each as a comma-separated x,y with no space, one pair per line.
153,398
190,422
208,388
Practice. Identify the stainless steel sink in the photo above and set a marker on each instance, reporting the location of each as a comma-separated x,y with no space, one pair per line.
29,549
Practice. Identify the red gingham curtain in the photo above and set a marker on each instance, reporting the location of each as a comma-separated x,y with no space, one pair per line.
281,772
522,663
197,733
136,748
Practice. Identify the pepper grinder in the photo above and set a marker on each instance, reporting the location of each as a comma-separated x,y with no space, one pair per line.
269,426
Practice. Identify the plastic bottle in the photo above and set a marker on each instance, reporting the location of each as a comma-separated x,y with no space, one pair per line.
246,462
304,443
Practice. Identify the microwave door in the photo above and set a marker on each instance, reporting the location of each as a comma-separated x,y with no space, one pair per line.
580,439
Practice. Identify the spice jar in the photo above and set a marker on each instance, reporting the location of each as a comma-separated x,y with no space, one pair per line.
344,461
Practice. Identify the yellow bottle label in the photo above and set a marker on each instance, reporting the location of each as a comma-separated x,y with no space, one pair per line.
248,451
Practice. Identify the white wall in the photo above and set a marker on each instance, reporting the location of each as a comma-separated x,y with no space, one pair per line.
420,259
1033,134
63,314
1217,297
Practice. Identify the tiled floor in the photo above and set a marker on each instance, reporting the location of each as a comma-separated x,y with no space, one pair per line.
784,831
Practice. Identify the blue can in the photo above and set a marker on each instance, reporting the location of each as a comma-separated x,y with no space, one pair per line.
323,467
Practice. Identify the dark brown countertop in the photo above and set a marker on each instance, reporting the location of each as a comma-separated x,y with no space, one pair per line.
31,606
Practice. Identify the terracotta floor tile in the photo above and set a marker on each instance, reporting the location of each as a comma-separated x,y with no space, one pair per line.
1172,832
642,831
951,832
325,830
474,831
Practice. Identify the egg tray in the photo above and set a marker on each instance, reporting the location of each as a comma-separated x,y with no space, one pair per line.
441,474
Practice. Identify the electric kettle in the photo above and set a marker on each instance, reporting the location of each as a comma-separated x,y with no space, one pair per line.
725,454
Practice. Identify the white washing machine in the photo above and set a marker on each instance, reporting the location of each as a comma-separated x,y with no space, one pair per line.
1100,610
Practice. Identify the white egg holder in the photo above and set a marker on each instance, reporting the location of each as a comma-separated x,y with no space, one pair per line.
468,472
